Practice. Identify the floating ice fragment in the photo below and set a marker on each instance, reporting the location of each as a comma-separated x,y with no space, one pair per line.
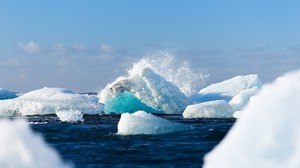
236,91
141,122
70,116
211,109
267,134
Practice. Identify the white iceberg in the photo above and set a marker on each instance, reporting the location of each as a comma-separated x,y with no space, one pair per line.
49,101
70,116
211,109
6,94
20,147
141,122
267,133
236,91
231,87
143,90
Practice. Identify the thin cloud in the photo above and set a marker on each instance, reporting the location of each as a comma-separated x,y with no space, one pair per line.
30,47
106,48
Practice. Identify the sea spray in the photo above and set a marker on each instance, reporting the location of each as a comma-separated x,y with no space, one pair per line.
178,72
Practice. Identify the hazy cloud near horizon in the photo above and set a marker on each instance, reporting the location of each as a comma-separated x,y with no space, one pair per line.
89,68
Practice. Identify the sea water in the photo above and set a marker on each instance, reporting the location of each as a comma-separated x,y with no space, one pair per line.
95,142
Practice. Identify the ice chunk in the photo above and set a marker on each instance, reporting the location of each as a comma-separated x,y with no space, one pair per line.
141,122
236,91
20,147
5,94
143,90
49,101
70,116
211,109
233,86
242,98
267,134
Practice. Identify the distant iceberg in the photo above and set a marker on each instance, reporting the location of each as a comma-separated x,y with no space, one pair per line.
6,94
267,133
236,92
49,101
144,123
143,90
20,147
211,109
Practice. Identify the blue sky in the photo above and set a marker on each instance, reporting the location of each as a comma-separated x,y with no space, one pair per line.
83,45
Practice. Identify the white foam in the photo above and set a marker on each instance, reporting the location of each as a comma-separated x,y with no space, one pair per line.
49,101
20,147
144,123
143,90
70,116
267,134
211,109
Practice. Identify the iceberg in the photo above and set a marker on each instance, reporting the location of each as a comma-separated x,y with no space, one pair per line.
211,109
49,101
236,92
6,94
20,147
267,134
142,122
145,90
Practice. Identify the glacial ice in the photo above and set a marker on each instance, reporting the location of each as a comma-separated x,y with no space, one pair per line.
236,92
49,101
211,109
143,90
142,122
20,147
6,94
267,133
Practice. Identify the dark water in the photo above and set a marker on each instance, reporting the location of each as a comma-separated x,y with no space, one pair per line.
94,142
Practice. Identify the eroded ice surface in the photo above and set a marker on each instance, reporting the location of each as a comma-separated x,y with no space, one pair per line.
20,147
267,133
143,90
141,122
211,109
49,101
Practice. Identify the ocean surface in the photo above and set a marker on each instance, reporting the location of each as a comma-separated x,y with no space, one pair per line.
94,142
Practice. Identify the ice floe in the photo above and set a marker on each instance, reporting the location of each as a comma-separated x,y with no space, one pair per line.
70,116
211,109
141,122
236,92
